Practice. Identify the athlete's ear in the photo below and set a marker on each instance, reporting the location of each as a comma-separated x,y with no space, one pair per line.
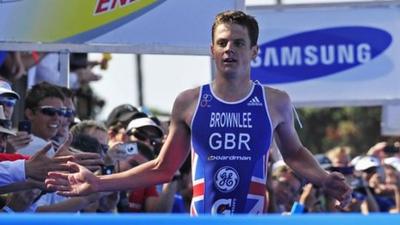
254,50
212,51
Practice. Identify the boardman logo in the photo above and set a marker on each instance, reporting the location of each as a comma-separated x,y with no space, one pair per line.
318,53
254,102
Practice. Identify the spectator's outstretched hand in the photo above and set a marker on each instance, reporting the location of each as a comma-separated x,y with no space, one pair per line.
79,182
40,164
335,185
90,160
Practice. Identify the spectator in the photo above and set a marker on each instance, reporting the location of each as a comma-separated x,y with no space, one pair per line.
286,187
44,108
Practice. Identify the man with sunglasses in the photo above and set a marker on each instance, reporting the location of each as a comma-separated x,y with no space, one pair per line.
44,108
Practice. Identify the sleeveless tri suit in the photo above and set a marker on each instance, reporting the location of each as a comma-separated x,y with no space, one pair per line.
230,142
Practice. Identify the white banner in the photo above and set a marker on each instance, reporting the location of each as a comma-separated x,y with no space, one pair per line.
134,26
331,55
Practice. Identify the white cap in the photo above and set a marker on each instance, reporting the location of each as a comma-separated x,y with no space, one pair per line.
366,162
5,88
145,122
393,161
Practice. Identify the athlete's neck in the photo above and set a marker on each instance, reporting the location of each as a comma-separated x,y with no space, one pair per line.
231,90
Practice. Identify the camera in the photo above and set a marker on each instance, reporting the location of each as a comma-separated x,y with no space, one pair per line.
130,148
107,170
24,125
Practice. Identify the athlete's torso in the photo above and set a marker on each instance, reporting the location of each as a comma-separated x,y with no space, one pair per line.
230,142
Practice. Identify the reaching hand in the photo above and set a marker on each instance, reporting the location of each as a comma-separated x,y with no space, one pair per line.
40,164
80,182
90,160
335,185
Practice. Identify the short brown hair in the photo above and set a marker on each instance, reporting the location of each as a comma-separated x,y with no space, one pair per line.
240,18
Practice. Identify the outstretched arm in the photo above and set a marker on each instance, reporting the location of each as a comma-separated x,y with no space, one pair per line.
161,169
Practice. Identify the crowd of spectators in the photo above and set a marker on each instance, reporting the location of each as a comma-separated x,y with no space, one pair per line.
53,133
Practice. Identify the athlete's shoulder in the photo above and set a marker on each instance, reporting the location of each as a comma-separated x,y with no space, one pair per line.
185,104
277,98
276,93
188,96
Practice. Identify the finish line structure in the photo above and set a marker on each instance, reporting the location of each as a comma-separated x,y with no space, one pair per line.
164,219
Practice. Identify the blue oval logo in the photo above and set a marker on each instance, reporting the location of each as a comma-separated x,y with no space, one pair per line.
317,53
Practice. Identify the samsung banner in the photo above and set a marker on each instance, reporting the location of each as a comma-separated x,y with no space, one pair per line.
134,26
331,55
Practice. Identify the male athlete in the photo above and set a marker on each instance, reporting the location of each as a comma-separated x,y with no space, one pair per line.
228,125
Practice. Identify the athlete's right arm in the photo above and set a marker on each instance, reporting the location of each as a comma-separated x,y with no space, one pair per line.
171,157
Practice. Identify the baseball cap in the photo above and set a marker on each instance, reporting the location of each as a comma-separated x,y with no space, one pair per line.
393,161
122,113
147,123
366,162
5,89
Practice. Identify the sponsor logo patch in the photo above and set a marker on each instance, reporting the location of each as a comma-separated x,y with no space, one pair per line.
318,53
226,179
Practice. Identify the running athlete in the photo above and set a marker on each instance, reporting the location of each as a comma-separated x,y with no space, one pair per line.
228,125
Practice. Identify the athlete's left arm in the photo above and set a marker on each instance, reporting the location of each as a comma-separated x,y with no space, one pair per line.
293,152
300,159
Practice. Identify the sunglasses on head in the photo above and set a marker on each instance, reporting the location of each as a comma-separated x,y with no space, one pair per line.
51,111
9,102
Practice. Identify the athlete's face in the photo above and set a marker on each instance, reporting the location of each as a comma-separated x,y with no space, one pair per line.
231,49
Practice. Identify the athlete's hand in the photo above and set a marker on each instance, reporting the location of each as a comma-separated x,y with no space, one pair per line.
79,182
335,185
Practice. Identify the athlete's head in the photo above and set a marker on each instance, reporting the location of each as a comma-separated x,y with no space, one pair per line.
240,18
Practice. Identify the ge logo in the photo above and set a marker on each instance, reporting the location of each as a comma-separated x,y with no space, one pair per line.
226,179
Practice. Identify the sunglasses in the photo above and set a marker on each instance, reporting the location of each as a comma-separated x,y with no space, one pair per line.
51,111
68,112
8,102
141,135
